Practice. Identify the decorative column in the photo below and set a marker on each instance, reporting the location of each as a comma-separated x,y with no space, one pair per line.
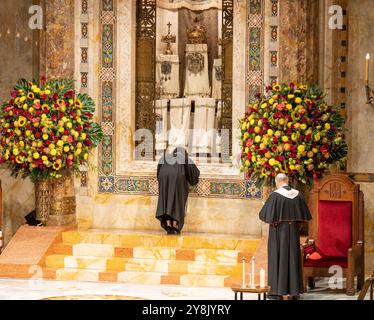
57,61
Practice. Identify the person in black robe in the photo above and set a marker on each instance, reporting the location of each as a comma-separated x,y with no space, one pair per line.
285,210
175,171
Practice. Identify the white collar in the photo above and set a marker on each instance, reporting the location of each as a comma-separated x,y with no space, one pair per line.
290,194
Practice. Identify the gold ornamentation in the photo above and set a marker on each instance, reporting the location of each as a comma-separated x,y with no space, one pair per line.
63,200
196,34
42,200
169,39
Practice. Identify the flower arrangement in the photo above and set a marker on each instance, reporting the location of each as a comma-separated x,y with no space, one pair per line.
47,129
291,130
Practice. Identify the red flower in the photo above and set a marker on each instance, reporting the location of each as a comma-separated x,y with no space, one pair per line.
280,106
249,143
37,135
43,97
14,93
88,143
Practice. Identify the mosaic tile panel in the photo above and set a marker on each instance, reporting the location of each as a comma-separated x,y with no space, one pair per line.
255,65
274,8
239,189
106,184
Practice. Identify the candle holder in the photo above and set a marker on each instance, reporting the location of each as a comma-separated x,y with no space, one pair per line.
369,95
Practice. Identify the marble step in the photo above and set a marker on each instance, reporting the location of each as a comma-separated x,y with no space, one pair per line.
149,239
116,264
149,278
159,253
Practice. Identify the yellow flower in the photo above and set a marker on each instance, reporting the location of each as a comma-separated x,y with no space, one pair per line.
284,138
45,107
22,99
15,152
277,87
85,157
272,162
22,121
281,122
44,158
301,148
57,166
310,154
303,126
257,139
35,89
78,103
69,125
270,132
294,137
271,101
298,100
289,106
30,96
317,137
45,136
20,159
36,155
303,87
257,129
264,105
66,149
291,96
60,143
327,126
47,91
53,152
52,146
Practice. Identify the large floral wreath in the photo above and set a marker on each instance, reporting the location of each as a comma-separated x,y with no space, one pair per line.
291,130
47,129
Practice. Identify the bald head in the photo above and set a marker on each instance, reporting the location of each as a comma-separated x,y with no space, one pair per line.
281,180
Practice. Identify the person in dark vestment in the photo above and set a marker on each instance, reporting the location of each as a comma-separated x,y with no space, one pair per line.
175,171
284,211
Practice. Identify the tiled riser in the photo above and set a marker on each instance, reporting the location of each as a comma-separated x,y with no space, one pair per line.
186,242
158,253
141,265
149,259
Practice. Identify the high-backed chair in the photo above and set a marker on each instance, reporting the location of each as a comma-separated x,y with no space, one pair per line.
337,230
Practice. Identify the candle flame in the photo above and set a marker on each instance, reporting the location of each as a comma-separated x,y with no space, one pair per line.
368,56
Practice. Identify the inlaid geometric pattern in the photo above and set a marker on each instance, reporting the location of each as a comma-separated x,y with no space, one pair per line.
273,43
108,128
255,64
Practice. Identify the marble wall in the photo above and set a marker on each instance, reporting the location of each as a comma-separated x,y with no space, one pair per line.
19,56
298,43
361,115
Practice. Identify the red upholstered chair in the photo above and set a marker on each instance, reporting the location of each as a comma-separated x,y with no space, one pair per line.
337,231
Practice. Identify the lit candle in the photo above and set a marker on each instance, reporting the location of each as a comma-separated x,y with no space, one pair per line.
243,280
262,278
367,69
253,272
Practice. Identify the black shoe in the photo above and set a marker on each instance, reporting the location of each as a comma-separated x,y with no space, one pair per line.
170,230
177,231
274,297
